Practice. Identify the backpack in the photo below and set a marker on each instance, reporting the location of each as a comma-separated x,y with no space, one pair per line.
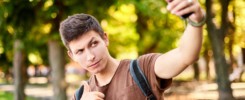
138,77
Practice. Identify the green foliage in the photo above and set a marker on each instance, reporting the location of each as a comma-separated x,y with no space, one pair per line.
20,16
134,27
239,22
155,27
122,34
10,96
145,25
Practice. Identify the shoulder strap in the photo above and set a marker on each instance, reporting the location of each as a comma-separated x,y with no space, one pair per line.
141,80
79,93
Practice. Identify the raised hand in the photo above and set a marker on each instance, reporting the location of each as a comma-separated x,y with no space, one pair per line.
185,7
91,95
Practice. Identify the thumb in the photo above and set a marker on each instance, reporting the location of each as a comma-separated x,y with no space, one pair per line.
86,87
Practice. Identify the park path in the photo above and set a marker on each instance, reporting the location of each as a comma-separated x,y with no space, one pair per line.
38,92
188,91
201,91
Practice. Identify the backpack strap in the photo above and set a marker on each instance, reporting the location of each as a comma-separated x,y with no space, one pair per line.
79,93
141,80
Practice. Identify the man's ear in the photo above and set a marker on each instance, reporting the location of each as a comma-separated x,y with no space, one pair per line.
105,38
70,54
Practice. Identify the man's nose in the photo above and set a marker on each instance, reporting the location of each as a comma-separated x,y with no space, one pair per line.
90,55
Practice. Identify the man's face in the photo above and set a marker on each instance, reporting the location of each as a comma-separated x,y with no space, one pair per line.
90,51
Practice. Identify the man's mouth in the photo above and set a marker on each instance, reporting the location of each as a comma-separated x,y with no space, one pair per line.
94,64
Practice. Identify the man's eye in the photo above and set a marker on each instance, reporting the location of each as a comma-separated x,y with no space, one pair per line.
79,52
94,44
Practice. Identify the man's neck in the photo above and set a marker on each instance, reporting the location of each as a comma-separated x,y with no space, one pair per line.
105,76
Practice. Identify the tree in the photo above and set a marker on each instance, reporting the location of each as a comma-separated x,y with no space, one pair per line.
19,16
196,71
50,16
19,70
154,26
216,36
56,55
6,45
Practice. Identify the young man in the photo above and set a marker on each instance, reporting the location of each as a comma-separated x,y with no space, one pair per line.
110,79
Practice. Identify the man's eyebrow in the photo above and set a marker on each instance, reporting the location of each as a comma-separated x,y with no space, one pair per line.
90,41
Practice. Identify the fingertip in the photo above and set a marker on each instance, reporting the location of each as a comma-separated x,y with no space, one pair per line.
101,95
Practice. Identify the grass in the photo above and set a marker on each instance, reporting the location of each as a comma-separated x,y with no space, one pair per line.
10,96
6,96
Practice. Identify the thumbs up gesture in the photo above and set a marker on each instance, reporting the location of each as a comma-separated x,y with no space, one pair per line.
91,95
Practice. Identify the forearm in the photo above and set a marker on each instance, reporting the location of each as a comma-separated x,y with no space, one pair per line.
190,44
172,63
191,40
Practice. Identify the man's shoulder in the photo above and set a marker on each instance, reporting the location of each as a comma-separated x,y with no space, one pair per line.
149,56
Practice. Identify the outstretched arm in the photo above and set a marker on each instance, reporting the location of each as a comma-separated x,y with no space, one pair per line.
175,61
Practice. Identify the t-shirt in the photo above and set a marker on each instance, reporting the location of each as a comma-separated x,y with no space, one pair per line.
122,85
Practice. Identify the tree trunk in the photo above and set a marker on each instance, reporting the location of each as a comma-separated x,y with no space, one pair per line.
19,70
243,62
196,71
243,56
142,28
221,66
57,62
231,56
216,37
207,57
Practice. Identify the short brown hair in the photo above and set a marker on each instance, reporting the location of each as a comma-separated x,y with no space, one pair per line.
76,25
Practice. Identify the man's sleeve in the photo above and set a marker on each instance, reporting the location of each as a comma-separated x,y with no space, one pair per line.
147,63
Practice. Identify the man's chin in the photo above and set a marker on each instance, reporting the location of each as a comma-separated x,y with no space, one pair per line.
95,72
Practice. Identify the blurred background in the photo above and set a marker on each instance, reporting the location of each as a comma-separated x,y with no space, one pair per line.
34,64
